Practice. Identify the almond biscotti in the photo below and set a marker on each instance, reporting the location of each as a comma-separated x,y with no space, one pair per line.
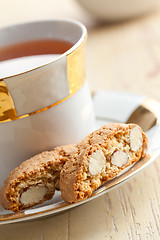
80,168
101,156
35,180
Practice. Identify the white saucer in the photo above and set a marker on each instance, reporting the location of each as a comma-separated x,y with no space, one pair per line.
109,107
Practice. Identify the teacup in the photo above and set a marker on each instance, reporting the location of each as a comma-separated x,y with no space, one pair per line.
44,97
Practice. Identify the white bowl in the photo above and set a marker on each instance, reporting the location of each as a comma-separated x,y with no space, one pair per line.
51,104
113,10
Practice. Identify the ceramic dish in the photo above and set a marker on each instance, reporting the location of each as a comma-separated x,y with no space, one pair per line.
109,107
115,10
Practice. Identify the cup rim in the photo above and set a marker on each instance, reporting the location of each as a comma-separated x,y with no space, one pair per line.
72,49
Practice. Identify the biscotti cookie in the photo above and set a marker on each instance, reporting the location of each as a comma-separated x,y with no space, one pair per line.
35,180
101,156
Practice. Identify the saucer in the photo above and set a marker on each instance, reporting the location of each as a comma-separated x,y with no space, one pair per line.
109,107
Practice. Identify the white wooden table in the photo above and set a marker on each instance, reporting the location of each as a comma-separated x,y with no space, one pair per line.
125,57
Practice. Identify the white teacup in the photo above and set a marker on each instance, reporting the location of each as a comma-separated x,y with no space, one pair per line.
45,100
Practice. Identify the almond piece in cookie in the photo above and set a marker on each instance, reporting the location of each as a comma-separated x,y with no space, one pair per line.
119,158
136,139
101,156
35,180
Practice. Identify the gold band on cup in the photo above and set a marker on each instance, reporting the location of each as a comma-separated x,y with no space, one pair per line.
76,77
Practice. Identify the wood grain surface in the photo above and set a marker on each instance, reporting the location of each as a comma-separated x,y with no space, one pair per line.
123,57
